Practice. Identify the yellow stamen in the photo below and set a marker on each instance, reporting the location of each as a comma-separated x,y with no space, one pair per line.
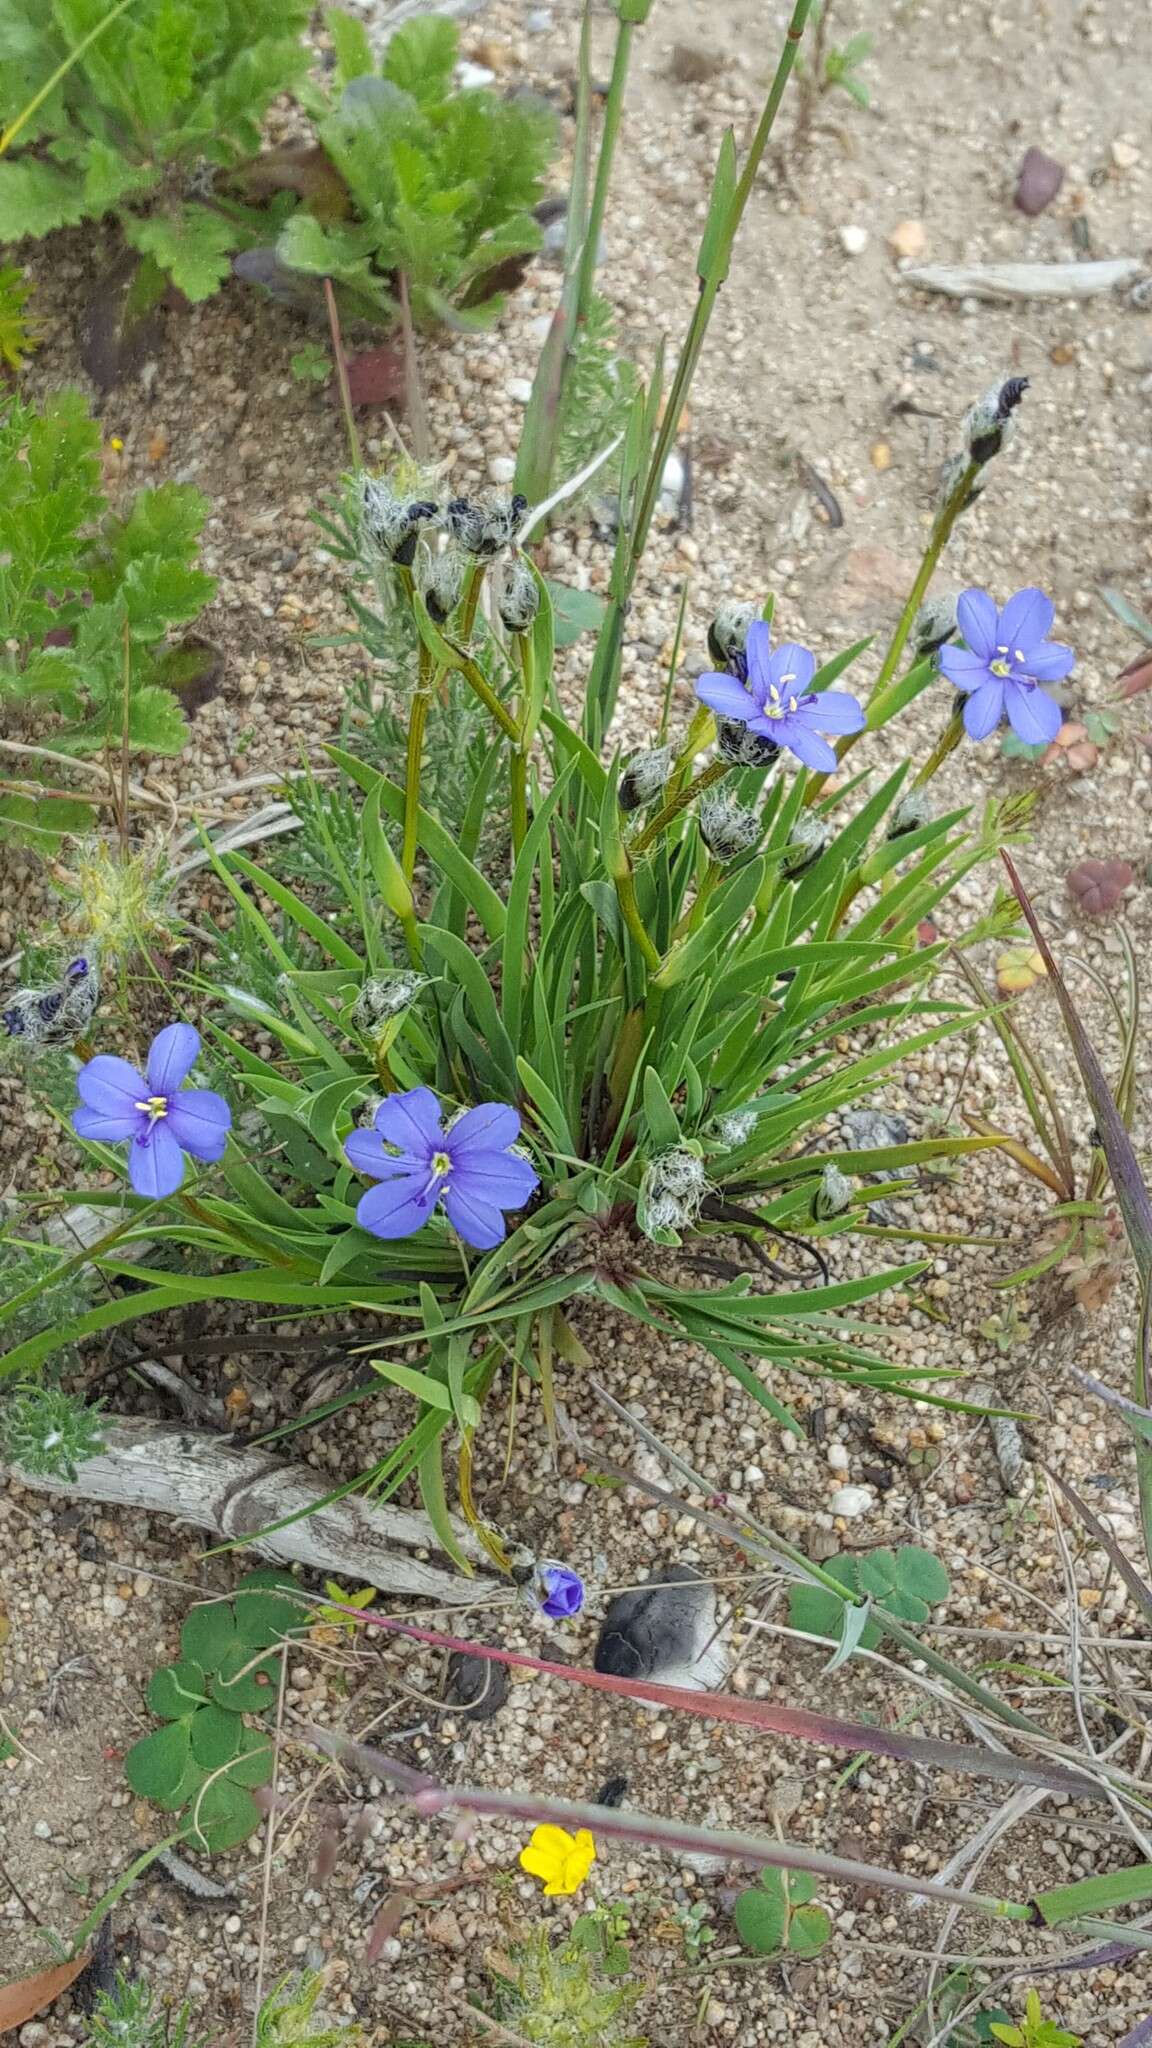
155,1107
999,668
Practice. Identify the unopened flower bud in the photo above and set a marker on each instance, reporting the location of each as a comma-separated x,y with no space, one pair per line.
728,633
950,475
912,811
810,835
726,827
672,1189
645,777
744,748
443,585
680,1172
483,527
59,1014
384,996
935,622
736,1127
833,1194
520,598
990,424
392,523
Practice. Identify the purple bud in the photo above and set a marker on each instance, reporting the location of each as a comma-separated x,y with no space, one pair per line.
563,1592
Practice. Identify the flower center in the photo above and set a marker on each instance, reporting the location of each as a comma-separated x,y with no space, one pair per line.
155,1107
775,705
441,1164
1000,667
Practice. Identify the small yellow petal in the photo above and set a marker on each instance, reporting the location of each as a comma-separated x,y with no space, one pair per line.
557,1841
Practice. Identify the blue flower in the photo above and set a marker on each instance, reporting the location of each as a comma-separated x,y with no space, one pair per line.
1004,662
563,1592
418,1162
776,703
162,1119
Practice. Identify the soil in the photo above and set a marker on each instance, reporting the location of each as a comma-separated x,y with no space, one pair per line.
821,365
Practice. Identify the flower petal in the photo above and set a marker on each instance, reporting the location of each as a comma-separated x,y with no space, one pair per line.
977,618
487,1128
835,711
757,658
411,1120
807,745
365,1151
474,1219
1025,620
967,670
542,1863
93,1123
172,1057
155,1162
110,1085
792,668
1032,714
398,1207
200,1121
726,697
984,709
1050,664
500,1180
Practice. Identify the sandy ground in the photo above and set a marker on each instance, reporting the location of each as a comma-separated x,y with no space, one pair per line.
818,354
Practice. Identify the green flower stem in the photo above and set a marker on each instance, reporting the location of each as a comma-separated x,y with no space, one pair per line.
471,601
714,772
417,720
630,911
947,743
518,759
613,112
938,539
710,286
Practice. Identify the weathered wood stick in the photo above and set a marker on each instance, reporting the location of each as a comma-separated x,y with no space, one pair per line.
1025,280
233,1491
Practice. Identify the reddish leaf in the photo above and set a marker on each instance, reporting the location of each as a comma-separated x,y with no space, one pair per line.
31,1995
1097,886
376,376
1137,677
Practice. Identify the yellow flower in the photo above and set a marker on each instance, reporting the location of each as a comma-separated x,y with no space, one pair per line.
561,1859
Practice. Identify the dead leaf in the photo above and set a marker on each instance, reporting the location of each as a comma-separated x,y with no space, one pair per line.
1018,968
1136,677
307,172
32,1995
376,376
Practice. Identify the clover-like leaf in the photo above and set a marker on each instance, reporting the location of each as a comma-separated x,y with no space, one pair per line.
223,1815
215,1735
809,1929
209,1634
877,1573
245,1682
1097,886
176,1690
266,1614
921,1574
1018,968
254,1763
156,1767
761,1918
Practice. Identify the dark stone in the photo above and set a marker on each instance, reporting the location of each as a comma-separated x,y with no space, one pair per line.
476,1687
1037,181
658,1628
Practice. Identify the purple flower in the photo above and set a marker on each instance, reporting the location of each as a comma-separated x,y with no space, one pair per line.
162,1119
563,1592
417,1162
776,703
1003,663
